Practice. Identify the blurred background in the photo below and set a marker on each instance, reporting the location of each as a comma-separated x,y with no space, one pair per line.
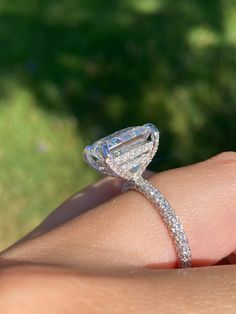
72,71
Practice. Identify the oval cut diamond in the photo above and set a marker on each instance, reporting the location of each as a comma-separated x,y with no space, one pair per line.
125,153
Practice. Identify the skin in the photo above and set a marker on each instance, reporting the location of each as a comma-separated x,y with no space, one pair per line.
106,252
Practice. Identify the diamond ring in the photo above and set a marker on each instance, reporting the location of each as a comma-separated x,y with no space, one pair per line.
126,154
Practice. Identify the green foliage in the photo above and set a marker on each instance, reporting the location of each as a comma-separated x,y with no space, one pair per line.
72,71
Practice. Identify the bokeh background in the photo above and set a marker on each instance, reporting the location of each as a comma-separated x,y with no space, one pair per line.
74,70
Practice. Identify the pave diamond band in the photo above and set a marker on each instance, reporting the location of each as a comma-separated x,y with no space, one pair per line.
126,154
171,220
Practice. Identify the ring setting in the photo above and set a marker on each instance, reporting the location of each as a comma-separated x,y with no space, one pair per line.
126,154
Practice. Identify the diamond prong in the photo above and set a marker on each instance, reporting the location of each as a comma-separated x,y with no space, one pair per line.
125,153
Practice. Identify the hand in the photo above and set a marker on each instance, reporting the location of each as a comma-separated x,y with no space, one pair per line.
104,252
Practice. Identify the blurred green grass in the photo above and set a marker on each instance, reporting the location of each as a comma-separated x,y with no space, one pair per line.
40,162
72,71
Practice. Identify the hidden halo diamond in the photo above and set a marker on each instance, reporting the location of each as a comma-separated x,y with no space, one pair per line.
126,154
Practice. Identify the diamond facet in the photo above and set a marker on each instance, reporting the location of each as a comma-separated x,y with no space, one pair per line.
125,153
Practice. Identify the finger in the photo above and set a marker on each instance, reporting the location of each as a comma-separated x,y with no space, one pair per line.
90,197
82,201
127,232
199,290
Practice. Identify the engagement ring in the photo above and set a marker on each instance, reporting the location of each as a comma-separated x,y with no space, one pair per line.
126,154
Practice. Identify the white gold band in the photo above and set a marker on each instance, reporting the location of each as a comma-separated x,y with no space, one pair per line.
171,220
126,154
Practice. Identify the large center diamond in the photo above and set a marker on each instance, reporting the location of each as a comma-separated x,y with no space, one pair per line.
125,153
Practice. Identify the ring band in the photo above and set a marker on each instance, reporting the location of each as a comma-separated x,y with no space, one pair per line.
126,154
169,217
